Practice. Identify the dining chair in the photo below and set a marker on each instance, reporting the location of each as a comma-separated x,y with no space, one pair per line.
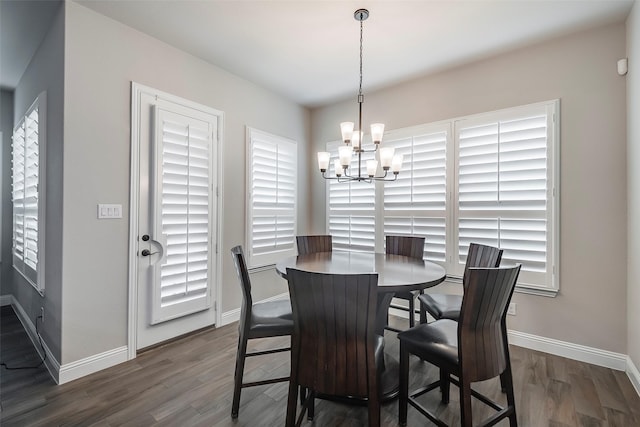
313,244
334,348
447,306
410,246
473,349
259,320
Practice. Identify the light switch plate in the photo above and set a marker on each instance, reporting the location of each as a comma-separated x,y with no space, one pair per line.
109,211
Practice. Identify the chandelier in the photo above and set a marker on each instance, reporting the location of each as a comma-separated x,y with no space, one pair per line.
353,142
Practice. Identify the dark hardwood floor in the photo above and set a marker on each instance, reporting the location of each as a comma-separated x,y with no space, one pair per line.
189,383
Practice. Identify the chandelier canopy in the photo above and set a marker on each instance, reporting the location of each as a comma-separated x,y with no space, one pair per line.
353,142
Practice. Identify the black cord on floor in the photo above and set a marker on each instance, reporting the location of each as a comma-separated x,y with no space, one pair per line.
15,368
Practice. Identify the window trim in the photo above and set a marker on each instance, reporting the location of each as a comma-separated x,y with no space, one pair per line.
39,285
552,213
258,261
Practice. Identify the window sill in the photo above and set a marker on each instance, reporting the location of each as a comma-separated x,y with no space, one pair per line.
521,288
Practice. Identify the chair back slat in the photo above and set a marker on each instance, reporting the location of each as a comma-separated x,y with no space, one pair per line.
481,256
481,340
245,285
334,331
411,246
313,244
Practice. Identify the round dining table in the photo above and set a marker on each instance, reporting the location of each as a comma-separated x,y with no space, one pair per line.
396,273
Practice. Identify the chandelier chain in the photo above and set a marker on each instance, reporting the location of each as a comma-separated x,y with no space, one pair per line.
360,90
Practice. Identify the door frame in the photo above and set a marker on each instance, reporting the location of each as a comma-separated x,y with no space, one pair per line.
134,199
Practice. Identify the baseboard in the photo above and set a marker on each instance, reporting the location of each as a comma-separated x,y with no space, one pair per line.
68,372
595,356
89,365
633,374
6,300
234,315
582,353
53,366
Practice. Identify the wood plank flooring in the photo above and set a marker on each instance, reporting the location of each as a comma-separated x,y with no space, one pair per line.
189,383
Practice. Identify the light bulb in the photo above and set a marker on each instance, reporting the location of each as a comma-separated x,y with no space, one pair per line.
377,130
346,128
396,163
344,153
386,157
323,160
372,167
338,167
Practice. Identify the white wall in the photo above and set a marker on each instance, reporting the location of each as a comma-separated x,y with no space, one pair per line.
45,73
633,194
580,70
102,57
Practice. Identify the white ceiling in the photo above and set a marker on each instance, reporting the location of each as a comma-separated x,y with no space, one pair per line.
307,50
23,25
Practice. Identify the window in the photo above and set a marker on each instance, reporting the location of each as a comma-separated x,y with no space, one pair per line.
489,178
351,217
271,200
27,194
416,202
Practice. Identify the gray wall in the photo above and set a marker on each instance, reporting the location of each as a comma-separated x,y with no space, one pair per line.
6,127
102,58
46,73
633,160
580,70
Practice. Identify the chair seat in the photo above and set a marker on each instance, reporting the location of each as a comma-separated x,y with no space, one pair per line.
442,306
408,295
270,319
435,342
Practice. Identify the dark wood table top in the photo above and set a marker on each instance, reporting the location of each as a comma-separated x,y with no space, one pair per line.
396,273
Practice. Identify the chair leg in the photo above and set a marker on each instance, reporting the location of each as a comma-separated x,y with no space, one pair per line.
403,400
423,314
239,372
311,407
292,400
445,385
511,399
374,408
303,395
412,309
465,403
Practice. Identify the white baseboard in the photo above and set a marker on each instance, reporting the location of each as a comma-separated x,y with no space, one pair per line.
592,355
234,315
582,353
70,371
53,366
633,374
89,365
6,300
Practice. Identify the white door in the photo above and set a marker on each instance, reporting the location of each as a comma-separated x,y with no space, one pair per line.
177,218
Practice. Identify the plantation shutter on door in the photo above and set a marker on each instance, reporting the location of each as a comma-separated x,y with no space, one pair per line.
503,188
351,219
183,208
272,175
415,203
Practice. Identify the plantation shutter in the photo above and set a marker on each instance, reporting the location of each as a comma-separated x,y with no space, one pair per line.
351,219
272,214
415,203
183,209
25,193
503,188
